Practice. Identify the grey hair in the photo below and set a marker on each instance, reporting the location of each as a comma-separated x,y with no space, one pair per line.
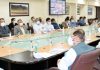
80,33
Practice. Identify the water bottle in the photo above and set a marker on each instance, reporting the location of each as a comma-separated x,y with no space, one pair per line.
34,47
10,34
63,31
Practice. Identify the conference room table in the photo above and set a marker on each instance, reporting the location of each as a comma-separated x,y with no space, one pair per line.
13,58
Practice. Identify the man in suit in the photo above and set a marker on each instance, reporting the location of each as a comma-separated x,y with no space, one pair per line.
54,23
20,29
12,25
4,30
82,21
79,48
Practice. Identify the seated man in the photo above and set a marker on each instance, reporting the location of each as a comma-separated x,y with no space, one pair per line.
49,26
79,48
12,25
37,26
20,29
54,23
72,23
4,30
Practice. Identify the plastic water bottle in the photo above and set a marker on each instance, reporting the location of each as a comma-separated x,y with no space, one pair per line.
34,47
63,31
10,34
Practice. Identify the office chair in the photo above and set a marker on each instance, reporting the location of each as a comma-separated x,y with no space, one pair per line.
87,61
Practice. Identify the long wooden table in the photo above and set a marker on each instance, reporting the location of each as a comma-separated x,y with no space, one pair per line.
5,51
21,59
12,58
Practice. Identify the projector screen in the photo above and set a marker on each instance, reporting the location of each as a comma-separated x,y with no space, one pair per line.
57,7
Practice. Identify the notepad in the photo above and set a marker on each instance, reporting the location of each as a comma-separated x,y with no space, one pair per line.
87,40
42,55
57,50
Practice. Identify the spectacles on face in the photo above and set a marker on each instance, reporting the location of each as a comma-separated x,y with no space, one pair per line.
76,39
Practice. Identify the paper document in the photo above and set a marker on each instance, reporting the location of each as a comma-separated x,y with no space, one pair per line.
52,52
42,55
57,50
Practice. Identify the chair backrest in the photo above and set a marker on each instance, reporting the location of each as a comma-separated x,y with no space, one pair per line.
86,61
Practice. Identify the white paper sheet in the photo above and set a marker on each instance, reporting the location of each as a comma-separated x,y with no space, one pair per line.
42,55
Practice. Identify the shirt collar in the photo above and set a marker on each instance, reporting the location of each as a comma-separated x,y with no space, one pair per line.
79,44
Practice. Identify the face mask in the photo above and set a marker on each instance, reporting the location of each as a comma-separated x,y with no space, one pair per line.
3,24
14,22
38,22
49,22
33,20
21,24
72,20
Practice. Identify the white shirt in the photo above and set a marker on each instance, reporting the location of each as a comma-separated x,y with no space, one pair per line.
49,27
37,28
67,60
43,28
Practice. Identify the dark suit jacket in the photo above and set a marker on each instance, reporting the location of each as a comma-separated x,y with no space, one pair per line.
4,31
17,30
11,27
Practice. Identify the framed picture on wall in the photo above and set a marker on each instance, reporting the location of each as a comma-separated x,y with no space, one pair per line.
90,10
18,9
67,9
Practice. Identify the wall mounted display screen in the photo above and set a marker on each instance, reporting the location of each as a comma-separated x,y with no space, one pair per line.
57,7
